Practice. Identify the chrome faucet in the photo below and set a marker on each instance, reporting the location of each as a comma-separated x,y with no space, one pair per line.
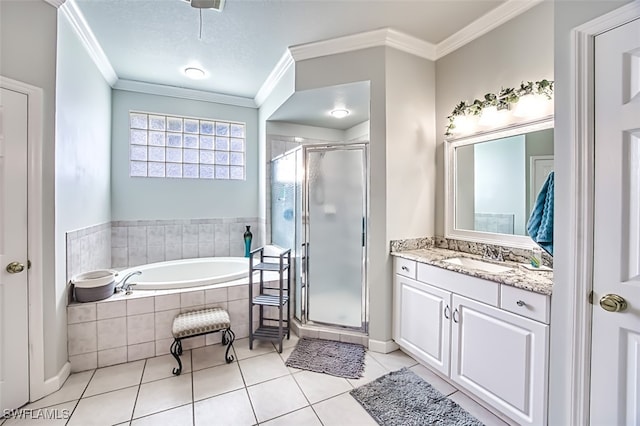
493,253
124,286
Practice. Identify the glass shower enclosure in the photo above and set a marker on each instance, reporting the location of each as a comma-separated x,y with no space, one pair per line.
319,208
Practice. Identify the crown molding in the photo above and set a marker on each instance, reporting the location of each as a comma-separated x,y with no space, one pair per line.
276,74
55,3
376,38
182,93
487,22
413,45
78,22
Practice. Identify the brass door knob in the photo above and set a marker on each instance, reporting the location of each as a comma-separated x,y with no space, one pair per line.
15,267
613,303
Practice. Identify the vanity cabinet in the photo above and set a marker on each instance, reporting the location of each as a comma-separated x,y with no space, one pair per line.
500,357
490,342
422,321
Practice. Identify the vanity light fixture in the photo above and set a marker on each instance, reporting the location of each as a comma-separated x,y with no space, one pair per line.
531,100
194,73
491,116
340,113
465,123
531,106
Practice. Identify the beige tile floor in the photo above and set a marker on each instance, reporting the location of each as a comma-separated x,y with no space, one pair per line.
257,389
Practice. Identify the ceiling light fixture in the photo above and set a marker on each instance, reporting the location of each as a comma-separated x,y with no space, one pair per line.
194,73
340,113
207,4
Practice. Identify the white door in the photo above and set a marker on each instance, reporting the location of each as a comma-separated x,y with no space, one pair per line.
615,371
423,321
502,358
540,167
14,337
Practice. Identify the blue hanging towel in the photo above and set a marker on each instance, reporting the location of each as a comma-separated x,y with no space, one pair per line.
540,225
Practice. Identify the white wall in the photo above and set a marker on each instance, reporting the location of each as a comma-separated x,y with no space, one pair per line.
568,15
83,155
358,132
163,198
28,54
281,128
519,50
499,180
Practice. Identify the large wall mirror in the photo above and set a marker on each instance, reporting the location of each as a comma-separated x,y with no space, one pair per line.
492,181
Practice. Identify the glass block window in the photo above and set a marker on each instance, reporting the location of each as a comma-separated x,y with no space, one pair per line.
185,147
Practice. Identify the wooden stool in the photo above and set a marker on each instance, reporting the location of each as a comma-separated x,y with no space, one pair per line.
198,323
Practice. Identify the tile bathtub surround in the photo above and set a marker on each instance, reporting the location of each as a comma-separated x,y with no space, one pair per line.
130,328
88,249
139,242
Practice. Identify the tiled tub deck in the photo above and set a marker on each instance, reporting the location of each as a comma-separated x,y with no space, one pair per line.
128,328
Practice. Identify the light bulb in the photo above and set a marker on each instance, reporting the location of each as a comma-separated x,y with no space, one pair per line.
339,113
464,124
194,73
491,116
531,106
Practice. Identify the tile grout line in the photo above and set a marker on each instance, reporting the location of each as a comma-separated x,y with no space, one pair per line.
246,389
133,410
81,394
193,394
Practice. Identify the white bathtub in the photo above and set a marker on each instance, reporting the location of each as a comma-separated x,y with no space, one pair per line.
187,273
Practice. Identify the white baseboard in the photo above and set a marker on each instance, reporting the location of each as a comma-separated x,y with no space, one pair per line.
382,346
52,384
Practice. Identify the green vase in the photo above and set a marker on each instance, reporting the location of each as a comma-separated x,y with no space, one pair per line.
247,241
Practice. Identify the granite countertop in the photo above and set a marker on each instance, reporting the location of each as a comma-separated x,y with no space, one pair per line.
520,277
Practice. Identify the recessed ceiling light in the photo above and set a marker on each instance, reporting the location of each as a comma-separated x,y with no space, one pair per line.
339,113
194,73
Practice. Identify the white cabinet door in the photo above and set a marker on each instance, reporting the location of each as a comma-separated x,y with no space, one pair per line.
421,319
501,358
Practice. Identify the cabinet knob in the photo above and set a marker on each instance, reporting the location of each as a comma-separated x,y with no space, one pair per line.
447,311
455,315
520,303
404,268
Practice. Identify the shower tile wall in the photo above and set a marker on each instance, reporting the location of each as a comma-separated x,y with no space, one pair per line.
138,242
88,249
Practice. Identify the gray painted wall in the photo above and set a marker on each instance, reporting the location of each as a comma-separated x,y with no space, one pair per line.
410,145
31,26
363,65
83,151
520,50
160,198
568,15
401,150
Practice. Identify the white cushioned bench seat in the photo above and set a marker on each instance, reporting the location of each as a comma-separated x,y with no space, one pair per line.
197,323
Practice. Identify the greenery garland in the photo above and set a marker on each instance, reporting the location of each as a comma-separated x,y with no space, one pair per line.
501,100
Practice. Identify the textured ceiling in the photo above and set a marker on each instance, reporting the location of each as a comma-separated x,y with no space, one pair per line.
154,40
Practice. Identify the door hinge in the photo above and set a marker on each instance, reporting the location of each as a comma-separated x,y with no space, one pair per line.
591,297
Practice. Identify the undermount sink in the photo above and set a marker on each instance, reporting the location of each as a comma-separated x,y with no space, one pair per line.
478,264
